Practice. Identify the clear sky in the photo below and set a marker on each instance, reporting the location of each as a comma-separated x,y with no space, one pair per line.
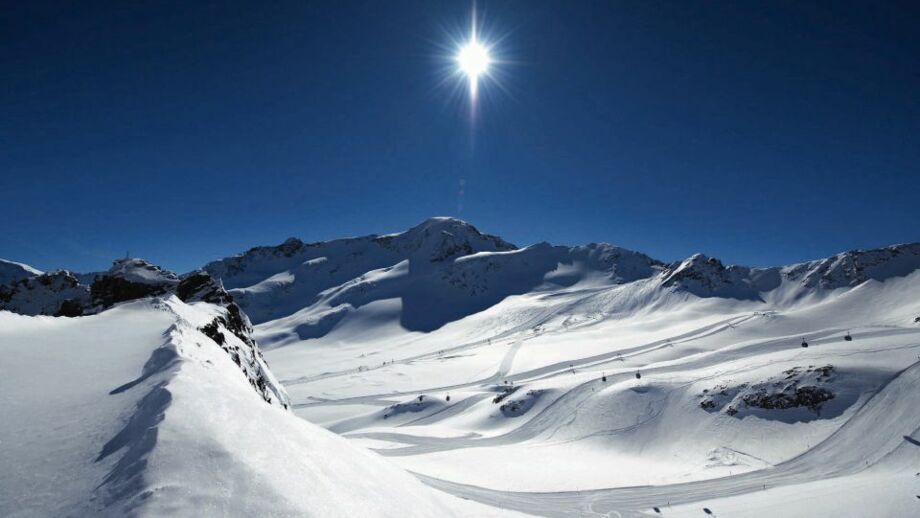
757,132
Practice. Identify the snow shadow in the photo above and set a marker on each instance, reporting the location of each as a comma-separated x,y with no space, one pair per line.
161,359
138,438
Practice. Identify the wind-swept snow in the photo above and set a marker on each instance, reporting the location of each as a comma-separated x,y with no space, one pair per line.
135,411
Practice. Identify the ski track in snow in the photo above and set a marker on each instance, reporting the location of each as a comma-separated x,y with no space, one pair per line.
810,466
828,459
549,380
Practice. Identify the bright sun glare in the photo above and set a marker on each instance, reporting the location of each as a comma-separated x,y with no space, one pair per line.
473,59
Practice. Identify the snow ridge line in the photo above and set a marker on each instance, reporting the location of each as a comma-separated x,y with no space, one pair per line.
137,439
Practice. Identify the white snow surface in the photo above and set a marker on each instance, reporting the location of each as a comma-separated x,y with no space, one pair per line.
547,324
548,380
140,271
134,412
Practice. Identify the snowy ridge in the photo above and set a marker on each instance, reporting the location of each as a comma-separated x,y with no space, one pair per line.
11,272
159,421
444,270
856,266
272,282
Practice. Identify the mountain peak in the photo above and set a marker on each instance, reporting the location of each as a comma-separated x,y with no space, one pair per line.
138,270
438,239
856,266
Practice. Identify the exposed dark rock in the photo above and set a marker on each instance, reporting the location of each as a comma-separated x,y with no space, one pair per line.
809,397
519,406
108,291
70,308
212,331
200,286
504,391
131,279
799,387
54,293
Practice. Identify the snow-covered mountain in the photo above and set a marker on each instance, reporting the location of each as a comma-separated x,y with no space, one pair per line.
11,272
56,293
157,401
444,270
662,388
271,282
551,380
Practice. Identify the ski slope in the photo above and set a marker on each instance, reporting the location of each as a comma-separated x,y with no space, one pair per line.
442,371
564,442
135,412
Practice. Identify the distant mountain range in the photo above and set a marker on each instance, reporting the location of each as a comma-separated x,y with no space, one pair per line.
443,270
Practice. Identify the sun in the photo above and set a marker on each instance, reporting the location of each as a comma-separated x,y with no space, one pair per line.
473,59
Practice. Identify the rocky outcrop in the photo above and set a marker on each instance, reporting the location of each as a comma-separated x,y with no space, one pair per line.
233,333
199,286
707,277
61,294
799,387
55,293
131,279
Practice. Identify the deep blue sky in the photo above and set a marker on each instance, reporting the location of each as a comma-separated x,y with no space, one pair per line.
758,132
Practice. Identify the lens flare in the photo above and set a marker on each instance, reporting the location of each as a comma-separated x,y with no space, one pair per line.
473,59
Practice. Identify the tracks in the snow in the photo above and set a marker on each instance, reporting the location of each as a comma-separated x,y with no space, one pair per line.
875,433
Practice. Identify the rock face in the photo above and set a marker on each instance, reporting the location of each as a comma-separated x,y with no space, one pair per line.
54,293
233,333
61,294
200,287
131,279
799,387
707,277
